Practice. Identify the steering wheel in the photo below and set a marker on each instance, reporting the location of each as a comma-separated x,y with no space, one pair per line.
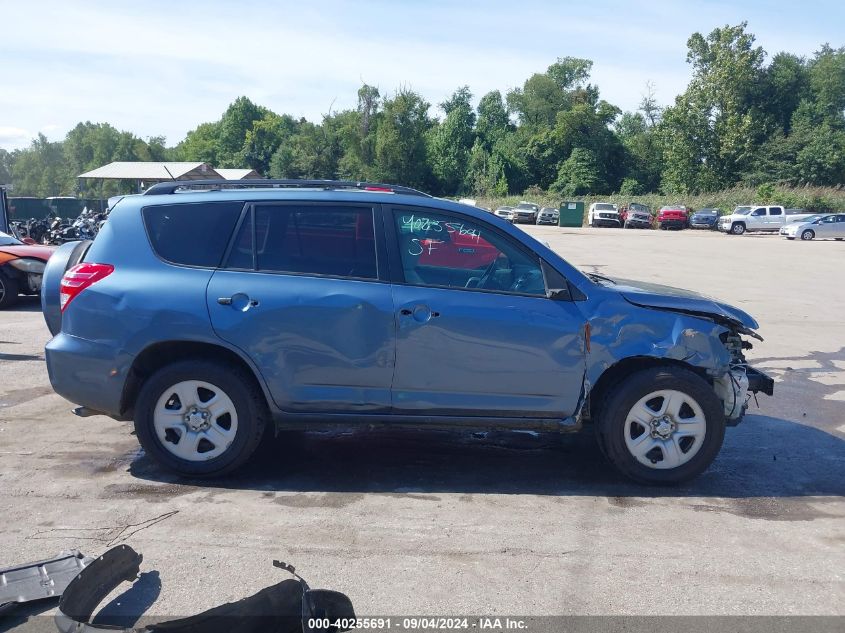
524,279
487,275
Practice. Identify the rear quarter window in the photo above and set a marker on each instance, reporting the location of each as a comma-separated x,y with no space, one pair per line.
194,234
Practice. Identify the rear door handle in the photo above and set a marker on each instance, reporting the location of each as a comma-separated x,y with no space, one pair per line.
224,301
406,312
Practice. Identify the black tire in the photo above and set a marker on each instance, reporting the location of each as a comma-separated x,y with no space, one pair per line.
839,239
250,405
620,400
807,235
738,228
8,291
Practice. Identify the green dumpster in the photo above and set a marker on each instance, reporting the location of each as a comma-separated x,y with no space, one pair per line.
571,214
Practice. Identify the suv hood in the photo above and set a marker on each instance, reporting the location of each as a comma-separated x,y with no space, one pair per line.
650,295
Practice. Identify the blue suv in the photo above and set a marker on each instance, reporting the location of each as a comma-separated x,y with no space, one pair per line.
212,312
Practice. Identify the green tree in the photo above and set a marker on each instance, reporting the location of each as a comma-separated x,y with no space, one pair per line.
400,150
201,144
235,124
492,122
579,175
5,167
451,142
41,170
264,138
543,95
711,132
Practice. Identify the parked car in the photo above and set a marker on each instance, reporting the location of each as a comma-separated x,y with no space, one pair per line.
672,217
745,219
21,268
525,212
207,316
506,213
548,215
603,214
705,219
635,216
823,227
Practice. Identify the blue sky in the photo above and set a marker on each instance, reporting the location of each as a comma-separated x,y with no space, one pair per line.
161,68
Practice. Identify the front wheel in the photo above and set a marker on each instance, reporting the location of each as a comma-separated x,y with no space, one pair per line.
200,418
738,229
8,291
662,426
807,235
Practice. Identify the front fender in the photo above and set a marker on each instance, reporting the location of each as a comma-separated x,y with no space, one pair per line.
619,330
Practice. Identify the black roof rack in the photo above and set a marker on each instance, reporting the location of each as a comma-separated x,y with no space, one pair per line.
164,188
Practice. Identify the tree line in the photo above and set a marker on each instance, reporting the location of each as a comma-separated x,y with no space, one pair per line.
743,120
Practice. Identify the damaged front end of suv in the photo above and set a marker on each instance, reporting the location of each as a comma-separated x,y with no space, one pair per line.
666,373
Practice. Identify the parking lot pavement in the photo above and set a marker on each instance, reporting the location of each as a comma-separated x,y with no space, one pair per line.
444,523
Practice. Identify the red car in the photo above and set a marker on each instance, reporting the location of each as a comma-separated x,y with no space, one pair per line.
673,217
21,268
457,247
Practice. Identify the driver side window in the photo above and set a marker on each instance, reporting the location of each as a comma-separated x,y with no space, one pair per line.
452,252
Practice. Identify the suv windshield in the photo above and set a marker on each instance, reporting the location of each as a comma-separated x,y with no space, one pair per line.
605,207
8,240
742,210
527,205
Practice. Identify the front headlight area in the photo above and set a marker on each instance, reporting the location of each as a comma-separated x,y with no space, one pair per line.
28,265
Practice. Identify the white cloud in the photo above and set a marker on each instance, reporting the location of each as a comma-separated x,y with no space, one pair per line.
13,137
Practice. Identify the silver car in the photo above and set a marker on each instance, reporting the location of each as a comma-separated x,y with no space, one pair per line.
816,227
548,215
506,213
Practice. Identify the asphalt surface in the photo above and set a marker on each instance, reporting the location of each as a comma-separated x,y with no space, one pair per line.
450,523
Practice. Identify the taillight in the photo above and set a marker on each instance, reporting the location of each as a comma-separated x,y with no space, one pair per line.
79,278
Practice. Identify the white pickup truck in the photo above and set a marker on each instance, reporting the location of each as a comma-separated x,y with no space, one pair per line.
758,218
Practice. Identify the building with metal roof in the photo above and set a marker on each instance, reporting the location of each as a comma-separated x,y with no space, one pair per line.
152,171
237,174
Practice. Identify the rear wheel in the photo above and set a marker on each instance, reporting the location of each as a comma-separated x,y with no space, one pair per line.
807,235
662,425
200,418
8,291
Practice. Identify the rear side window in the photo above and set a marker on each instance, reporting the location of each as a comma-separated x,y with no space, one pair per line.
775,211
336,241
191,234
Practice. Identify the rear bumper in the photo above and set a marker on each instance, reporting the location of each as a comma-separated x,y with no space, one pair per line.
640,224
606,222
87,373
759,382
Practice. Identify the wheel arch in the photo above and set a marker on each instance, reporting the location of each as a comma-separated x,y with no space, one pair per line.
162,353
617,372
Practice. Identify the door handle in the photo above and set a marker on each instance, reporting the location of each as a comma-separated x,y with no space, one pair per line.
239,301
420,313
